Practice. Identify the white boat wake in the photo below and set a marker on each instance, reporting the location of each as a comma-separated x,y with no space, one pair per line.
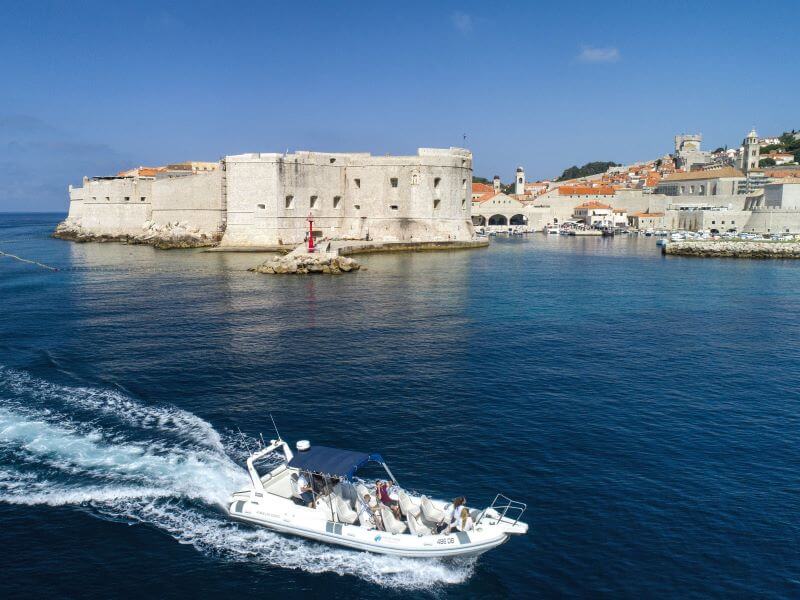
163,467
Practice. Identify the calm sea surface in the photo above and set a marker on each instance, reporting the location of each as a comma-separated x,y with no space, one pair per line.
646,409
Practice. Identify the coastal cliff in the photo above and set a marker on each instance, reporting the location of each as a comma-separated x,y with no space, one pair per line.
733,249
165,237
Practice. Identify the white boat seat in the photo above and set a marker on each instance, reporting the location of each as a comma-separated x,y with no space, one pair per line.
361,490
430,514
416,527
407,507
391,524
346,492
344,513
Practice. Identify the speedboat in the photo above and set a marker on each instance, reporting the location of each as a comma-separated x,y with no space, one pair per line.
338,513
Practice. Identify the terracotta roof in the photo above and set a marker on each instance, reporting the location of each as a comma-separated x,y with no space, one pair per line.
710,174
486,196
620,210
481,188
645,214
593,204
141,172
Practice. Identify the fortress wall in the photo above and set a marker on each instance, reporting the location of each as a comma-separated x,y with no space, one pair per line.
349,196
195,199
766,220
112,206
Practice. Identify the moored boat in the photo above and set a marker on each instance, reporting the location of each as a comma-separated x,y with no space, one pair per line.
339,514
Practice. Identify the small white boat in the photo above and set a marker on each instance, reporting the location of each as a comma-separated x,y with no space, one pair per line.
551,230
341,517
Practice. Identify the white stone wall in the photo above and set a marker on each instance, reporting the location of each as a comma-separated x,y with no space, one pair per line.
111,206
193,199
782,195
393,198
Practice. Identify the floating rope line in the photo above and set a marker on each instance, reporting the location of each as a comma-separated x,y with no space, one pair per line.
25,260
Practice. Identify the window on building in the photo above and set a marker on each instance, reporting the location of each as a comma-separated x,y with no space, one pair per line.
289,201
464,203
394,207
436,181
436,202
393,181
357,182
262,206
733,222
143,198
313,202
108,198
463,184
713,222
357,206
94,197
332,160
336,201
127,198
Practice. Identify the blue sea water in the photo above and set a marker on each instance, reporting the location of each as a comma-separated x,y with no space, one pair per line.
645,407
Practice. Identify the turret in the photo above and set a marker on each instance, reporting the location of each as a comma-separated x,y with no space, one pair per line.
496,184
750,152
519,181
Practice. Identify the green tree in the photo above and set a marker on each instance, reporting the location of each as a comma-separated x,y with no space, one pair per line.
591,168
479,179
766,162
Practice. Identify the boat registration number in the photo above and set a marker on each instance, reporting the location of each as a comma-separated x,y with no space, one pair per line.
446,541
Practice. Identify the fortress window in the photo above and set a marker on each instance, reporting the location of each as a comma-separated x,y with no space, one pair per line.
262,206
289,201
333,160
127,198
436,202
394,206
437,181
464,203
357,206
108,198
336,201
143,198
358,182
313,202
94,197
393,181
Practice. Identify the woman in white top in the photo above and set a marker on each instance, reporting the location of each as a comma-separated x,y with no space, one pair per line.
464,520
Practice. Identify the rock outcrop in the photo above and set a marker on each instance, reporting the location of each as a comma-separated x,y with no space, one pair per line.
301,264
733,249
167,236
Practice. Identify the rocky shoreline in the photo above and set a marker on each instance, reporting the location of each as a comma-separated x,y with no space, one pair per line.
733,249
301,264
164,237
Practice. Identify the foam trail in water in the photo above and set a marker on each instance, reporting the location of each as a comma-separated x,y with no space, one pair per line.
49,456
112,403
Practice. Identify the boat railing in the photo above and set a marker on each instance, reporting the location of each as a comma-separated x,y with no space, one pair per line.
503,505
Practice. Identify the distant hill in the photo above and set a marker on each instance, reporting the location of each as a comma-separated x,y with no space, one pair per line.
592,168
789,142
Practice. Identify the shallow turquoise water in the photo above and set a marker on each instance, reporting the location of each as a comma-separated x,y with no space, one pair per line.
644,407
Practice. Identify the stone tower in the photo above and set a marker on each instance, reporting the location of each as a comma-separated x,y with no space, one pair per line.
496,184
519,182
750,152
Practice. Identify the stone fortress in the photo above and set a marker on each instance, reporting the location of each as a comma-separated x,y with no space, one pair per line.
266,199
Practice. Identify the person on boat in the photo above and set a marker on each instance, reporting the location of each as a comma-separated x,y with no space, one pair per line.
301,490
464,521
367,516
451,513
382,492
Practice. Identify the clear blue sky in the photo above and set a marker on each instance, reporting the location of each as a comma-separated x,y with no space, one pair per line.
91,88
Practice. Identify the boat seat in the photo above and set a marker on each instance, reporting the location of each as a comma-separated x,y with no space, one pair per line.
344,513
391,524
430,514
361,489
407,507
416,527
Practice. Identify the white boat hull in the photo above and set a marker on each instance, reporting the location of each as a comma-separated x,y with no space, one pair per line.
303,522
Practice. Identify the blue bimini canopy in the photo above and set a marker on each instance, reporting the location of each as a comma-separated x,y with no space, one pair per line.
332,461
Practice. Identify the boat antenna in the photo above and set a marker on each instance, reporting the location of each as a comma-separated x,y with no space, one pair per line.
280,439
